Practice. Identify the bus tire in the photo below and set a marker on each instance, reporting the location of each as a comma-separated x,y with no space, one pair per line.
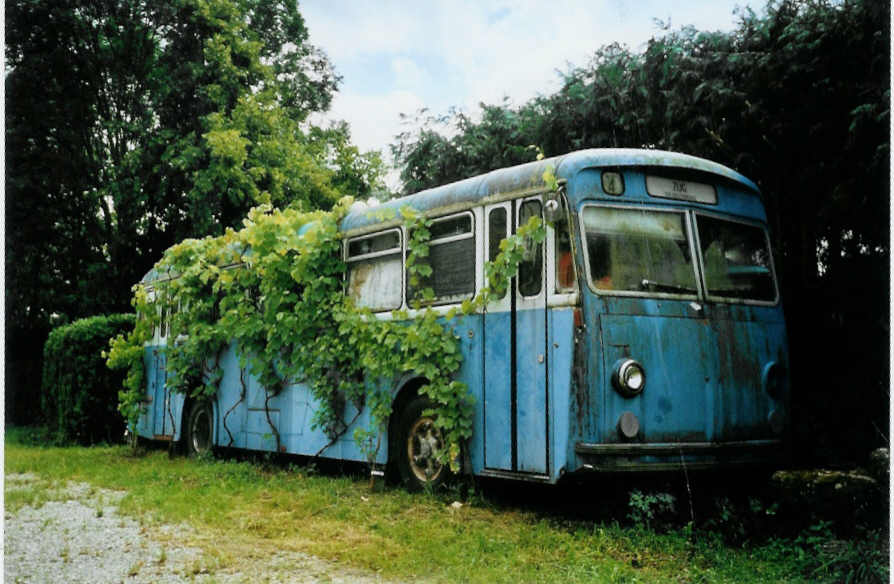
417,440
200,428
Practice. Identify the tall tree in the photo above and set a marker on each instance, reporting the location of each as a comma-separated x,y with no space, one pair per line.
60,60
133,124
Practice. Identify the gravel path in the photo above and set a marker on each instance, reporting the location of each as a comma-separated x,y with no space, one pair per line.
77,535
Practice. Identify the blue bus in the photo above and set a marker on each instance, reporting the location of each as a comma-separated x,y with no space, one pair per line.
645,333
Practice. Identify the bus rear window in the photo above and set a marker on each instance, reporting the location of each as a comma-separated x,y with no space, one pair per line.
638,251
737,260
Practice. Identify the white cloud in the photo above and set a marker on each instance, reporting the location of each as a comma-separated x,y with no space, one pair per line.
374,119
408,75
347,29
444,53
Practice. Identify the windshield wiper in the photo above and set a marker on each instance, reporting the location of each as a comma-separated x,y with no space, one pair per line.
662,286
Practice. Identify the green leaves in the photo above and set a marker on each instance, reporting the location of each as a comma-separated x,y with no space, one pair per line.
78,394
170,120
227,145
277,296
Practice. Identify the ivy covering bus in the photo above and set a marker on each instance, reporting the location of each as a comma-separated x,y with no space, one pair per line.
605,310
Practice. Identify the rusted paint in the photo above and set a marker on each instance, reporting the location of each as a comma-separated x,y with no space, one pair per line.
376,284
580,380
624,349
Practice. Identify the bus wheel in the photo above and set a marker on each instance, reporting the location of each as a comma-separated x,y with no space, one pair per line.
199,426
418,443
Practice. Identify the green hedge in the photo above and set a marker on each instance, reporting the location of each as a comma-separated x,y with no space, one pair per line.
79,394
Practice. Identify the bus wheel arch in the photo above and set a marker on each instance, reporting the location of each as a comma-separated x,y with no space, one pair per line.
413,440
198,427
407,390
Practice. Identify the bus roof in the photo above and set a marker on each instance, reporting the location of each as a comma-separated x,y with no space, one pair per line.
517,180
153,275
529,177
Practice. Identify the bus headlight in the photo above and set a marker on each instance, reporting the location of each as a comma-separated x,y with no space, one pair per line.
629,377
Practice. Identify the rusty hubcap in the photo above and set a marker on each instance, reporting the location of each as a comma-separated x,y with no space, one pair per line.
423,444
200,431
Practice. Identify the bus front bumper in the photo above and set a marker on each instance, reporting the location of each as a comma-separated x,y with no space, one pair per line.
676,456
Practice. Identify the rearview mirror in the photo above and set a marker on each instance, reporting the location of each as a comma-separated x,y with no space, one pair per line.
554,208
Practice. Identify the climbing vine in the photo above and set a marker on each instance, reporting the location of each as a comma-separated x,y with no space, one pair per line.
273,292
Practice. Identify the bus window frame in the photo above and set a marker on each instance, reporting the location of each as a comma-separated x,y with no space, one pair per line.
554,296
701,261
503,303
371,255
694,259
544,269
471,234
161,331
156,332
400,250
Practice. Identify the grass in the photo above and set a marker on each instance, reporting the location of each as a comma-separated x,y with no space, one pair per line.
239,508
33,493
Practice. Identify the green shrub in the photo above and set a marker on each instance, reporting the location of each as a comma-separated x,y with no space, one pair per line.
646,509
738,520
79,394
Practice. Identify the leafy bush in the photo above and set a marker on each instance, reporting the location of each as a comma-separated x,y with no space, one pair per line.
739,521
79,394
646,508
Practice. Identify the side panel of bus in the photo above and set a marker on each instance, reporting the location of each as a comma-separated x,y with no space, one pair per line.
246,416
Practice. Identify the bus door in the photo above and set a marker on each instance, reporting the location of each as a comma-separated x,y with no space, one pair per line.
515,392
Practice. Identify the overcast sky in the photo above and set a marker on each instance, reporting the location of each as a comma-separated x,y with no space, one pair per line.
398,56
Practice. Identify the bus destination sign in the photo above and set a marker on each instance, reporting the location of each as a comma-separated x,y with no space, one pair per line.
681,190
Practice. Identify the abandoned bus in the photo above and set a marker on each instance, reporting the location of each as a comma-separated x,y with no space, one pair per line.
645,333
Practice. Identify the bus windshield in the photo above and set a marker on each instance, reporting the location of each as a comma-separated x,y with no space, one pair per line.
647,251
737,259
638,250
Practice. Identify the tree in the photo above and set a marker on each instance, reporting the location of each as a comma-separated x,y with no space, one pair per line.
56,143
131,125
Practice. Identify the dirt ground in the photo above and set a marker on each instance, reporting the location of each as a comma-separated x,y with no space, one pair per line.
77,535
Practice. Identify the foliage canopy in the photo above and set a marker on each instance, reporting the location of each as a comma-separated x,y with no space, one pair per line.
132,125
180,118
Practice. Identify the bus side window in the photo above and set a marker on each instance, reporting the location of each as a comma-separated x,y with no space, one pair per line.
564,262
375,266
496,233
530,270
451,255
163,324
